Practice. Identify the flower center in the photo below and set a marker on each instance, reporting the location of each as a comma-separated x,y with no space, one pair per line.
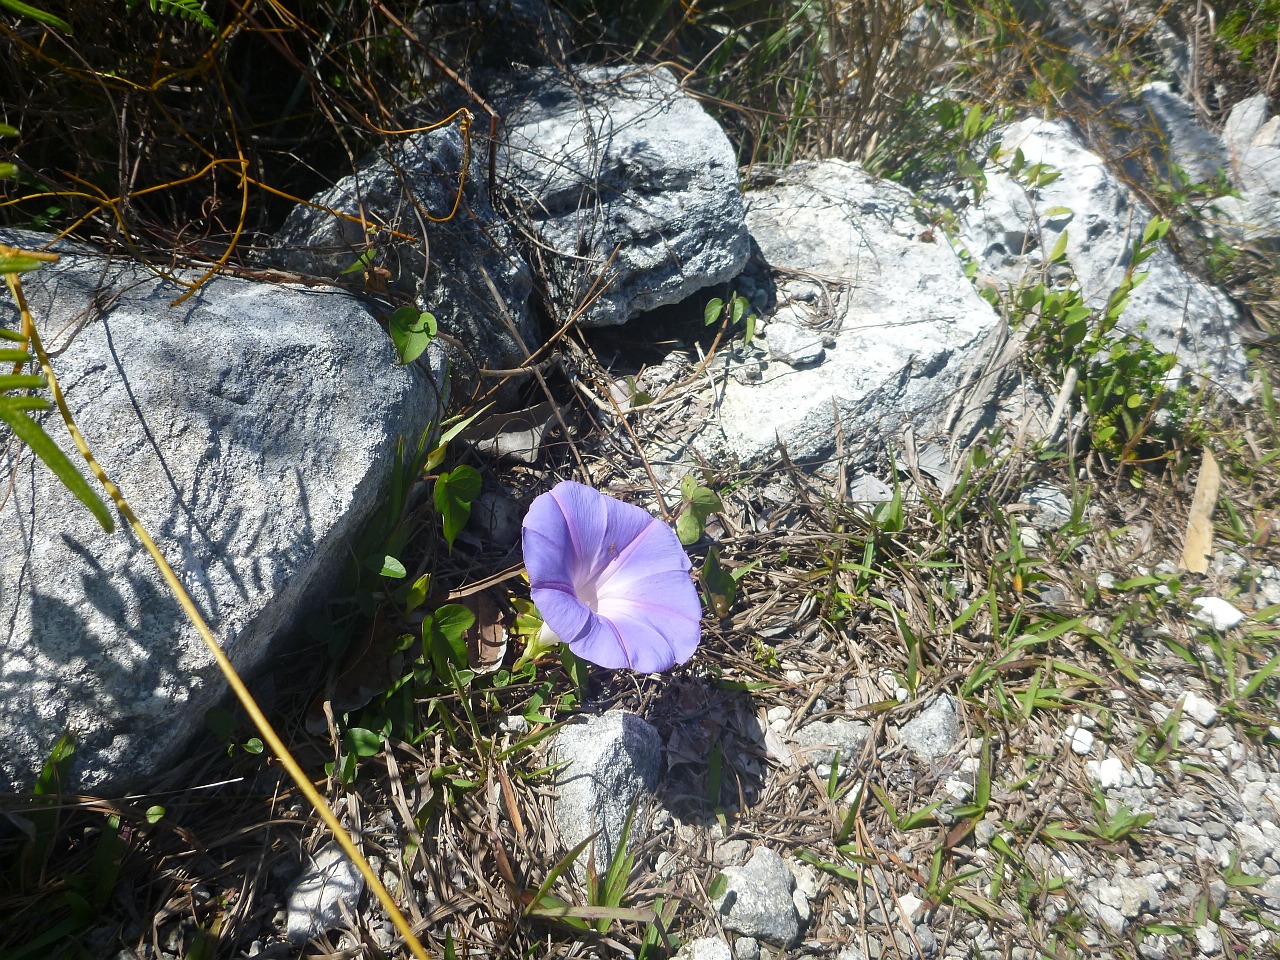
586,592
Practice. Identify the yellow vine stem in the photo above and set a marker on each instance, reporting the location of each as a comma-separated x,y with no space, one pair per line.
233,679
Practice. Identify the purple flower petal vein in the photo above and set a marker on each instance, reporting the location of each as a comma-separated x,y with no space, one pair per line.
610,580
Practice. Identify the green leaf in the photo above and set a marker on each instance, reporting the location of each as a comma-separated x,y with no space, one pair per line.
712,313
454,493
190,9
1155,230
1059,253
22,381
444,636
417,592
705,502
689,528
718,583
19,263
35,13
362,742
155,814
8,170
8,131
361,263
737,308
411,332
220,723
391,567
42,445
972,123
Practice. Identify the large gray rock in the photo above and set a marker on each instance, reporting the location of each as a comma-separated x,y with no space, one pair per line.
610,763
1013,228
442,267
631,188
251,429
904,323
1254,143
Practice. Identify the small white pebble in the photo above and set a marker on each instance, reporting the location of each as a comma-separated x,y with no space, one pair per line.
1081,740
1216,612
1110,773
1207,938
1202,711
908,904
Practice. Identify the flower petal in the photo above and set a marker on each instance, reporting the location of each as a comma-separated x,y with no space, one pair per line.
600,527
563,612
655,636
548,546
656,550
610,580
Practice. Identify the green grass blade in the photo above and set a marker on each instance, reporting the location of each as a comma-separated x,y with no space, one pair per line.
42,445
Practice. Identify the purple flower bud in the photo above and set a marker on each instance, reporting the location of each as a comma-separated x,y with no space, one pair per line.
610,580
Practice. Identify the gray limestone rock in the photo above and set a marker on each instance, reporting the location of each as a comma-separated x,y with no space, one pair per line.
252,429
630,186
441,266
1254,142
609,763
1050,506
1200,153
1010,232
905,324
827,739
793,344
758,900
934,732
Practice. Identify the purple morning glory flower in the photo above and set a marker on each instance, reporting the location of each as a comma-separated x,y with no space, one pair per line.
610,580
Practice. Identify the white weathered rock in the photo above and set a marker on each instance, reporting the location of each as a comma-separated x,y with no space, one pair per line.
327,893
441,265
253,430
609,763
934,732
1216,613
1010,235
705,948
629,184
904,326
758,901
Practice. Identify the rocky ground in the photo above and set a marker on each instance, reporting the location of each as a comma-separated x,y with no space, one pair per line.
966,688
